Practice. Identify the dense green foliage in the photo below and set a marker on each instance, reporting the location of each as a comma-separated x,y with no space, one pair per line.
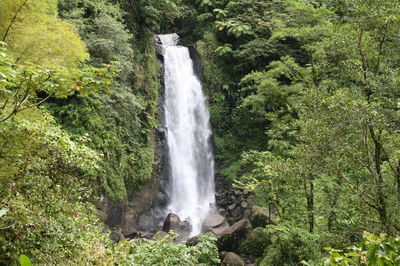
119,124
165,252
49,173
305,109
29,26
44,174
290,246
303,98
374,250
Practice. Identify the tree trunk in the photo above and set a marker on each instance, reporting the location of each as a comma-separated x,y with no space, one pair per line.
309,190
397,174
381,200
332,213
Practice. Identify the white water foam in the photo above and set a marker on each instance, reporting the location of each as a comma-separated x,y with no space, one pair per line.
187,120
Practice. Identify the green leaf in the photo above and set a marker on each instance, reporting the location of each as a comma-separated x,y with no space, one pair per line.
24,260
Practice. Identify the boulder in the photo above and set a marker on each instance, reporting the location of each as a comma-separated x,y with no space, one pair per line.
261,216
232,259
256,242
174,223
232,206
218,230
244,204
213,220
222,212
237,212
222,255
231,238
215,223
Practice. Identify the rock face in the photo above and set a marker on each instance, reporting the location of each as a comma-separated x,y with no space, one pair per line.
215,223
256,242
146,221
233,202
174,223
232,259
261,216
231,238
127,224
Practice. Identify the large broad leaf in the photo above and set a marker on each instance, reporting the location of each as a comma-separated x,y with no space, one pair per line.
24,260
3,212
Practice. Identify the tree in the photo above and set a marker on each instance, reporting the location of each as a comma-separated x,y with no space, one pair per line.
34,34
20,86
334,122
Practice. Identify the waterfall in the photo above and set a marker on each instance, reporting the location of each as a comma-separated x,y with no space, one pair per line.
187,122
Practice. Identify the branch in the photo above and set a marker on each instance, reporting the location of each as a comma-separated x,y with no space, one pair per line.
17,105
11,113
364,62
370,160
356,190
13,20
16,110
381,43
5,228
26,96
37,104
5,104
362,55
395,171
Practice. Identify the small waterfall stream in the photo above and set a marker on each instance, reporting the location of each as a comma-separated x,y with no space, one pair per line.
187,120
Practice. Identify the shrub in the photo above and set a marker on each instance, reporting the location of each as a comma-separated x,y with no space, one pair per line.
165,252
290,246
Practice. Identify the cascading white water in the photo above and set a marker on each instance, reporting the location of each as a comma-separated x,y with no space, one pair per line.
187,120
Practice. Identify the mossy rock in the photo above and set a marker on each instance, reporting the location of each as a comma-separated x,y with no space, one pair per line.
256,242
232,237
232,259
261,216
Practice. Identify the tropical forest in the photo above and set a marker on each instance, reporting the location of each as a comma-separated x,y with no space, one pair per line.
200,132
